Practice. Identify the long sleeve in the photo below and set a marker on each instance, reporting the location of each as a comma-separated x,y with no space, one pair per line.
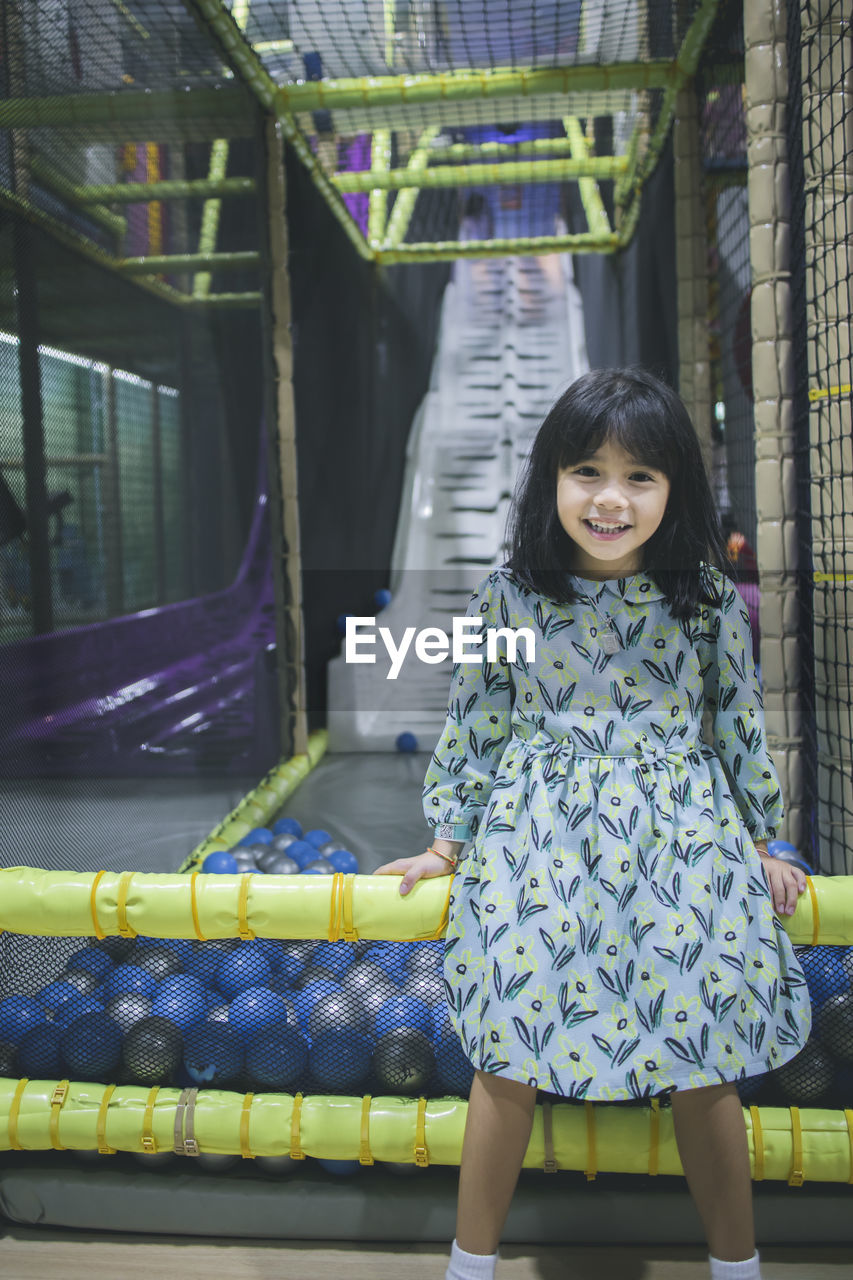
463,767
733,696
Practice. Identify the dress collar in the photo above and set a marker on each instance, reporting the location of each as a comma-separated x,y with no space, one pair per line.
636,588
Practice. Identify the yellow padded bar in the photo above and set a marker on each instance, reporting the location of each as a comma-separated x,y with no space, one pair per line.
816,1144
84,904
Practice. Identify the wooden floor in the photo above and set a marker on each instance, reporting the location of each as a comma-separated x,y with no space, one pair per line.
48,1254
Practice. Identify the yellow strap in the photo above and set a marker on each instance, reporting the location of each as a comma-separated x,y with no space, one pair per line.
445,911
243,909
335,906
757,1145
14,1111
364,1156
57,1100
296,1152
796,1177
349,930
815,911
591,1151
421,1149
101,1130
99,933
149,1142
126,930
194,906
848,1116
245,1120
654,1139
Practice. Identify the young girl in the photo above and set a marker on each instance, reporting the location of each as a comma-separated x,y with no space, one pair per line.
612,932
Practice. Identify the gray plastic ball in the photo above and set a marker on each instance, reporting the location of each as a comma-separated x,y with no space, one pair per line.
276,1165
278,864
322,865
160,962
214,1162
333,1012
428,986
219,1013
424,958
280,843
84,981
245,857
129,1008
331,846
364,976
154,1159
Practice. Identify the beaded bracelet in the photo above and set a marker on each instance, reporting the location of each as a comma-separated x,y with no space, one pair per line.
447,856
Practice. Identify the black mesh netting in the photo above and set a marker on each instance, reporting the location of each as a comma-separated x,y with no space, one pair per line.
318,1017
821,1075
364,1017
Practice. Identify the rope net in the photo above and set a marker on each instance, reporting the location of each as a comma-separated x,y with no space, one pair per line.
820,126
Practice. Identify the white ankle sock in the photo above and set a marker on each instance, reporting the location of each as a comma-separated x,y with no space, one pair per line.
472,1266
746,1270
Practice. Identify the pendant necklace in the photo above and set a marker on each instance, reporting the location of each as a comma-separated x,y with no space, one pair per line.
606,636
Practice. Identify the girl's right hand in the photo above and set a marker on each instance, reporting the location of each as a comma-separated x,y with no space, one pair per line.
424,867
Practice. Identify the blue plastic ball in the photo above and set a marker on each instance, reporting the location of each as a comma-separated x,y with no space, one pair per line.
258,835
91,1045
18,1015
56,994
340,1168
317,836
255,1009
276,1058
344,861
824,972
241,970
213,1055
340,1059
287,827
73,1009
182,948
775,847
403,1011
406,742
334,956
302,853
382,598
204,963
127,978
39,1053
390,956
183,1000
312,993
90,960
220,863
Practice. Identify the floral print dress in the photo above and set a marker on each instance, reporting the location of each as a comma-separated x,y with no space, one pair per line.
611,934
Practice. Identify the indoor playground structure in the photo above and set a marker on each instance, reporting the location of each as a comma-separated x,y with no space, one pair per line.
285,292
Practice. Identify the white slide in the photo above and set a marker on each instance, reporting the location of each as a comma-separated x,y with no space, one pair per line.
510,340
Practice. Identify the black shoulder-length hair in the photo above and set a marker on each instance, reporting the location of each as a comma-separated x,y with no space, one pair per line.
642,415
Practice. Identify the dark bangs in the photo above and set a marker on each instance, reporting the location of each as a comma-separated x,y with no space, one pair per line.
643,416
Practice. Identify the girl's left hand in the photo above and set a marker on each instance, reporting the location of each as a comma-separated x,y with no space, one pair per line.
786,883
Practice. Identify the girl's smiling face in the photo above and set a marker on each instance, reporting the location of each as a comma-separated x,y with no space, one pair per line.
610,505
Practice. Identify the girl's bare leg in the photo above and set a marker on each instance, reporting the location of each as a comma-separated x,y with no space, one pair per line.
712,1143
497,1131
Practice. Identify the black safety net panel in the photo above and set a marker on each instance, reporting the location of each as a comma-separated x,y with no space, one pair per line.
341,1018
819,123
821,1074
720,85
